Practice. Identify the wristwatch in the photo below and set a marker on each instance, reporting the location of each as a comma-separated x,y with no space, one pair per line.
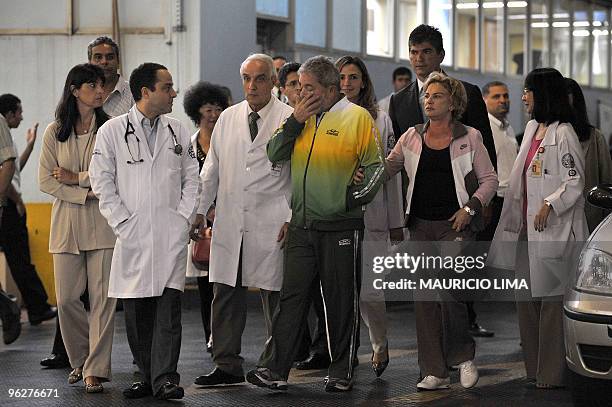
469,210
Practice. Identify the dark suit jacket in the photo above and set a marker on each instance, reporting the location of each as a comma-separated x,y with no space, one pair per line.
405,112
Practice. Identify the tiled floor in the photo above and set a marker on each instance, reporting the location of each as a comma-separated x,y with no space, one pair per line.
498,358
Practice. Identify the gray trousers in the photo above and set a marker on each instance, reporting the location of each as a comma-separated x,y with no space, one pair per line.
153,326
229,311
443,337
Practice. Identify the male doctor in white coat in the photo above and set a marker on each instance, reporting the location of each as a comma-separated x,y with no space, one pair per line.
251,210
146,177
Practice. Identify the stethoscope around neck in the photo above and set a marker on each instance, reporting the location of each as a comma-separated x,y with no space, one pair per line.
129,129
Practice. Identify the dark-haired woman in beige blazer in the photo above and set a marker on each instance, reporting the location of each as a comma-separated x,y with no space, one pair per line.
80,240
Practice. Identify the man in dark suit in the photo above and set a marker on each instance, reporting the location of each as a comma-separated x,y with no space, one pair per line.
426,53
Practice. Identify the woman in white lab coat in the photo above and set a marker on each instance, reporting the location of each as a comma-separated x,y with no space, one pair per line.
203,103
544,208
384,215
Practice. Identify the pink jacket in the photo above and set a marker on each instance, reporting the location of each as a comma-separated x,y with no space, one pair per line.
475,178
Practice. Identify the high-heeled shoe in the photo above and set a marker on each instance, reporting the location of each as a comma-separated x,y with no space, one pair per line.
379,366
93,387
75,376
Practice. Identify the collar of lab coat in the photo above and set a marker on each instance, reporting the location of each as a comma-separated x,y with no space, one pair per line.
194,137
264,114
163,132
550,138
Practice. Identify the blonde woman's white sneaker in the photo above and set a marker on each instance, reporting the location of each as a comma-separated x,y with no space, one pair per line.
468,374
433,383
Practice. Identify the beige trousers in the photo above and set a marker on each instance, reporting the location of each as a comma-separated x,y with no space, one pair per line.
541,328
372,301
88,342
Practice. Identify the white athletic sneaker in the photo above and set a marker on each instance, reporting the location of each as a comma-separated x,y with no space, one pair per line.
468,374
433,383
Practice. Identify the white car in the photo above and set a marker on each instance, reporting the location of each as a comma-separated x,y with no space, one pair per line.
588,313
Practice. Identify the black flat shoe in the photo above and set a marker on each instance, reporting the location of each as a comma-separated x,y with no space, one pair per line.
11,320
170,391
314,362
55,361
37,319
218,378
380,366
478,331
138,390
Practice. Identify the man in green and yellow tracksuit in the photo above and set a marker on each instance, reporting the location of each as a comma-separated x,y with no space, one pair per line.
326,139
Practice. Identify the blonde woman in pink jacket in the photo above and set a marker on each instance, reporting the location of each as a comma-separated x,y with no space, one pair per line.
450,180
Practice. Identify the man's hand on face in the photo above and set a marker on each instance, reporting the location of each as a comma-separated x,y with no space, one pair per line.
306,107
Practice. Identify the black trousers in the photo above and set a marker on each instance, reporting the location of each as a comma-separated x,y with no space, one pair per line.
5,304
333,258
205,288
15,243
154,329
314,337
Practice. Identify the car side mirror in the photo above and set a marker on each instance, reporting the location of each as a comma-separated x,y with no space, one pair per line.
601,196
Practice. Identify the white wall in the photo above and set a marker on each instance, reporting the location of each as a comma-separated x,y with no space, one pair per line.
228,36
34,67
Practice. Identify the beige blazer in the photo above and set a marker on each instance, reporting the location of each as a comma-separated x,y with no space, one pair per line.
76,223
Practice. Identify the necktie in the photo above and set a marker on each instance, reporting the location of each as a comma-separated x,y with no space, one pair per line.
422,105
253,116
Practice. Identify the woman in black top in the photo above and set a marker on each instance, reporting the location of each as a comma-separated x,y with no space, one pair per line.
203,103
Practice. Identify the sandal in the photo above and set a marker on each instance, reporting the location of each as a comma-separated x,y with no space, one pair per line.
75,376
93,387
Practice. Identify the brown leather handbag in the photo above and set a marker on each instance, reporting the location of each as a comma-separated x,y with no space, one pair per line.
200,255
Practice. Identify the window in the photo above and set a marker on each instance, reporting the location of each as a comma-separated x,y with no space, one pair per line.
466,19
580,34
346,31
517,25
277,8
493,36
310,22
440,15
409,17
560,56
380,27
539,34
601,36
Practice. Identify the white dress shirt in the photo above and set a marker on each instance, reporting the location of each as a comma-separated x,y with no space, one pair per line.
120,100
506,149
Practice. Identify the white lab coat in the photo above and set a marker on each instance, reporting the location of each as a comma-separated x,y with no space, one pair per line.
193,271
561,184
386,211
252,198
149,205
